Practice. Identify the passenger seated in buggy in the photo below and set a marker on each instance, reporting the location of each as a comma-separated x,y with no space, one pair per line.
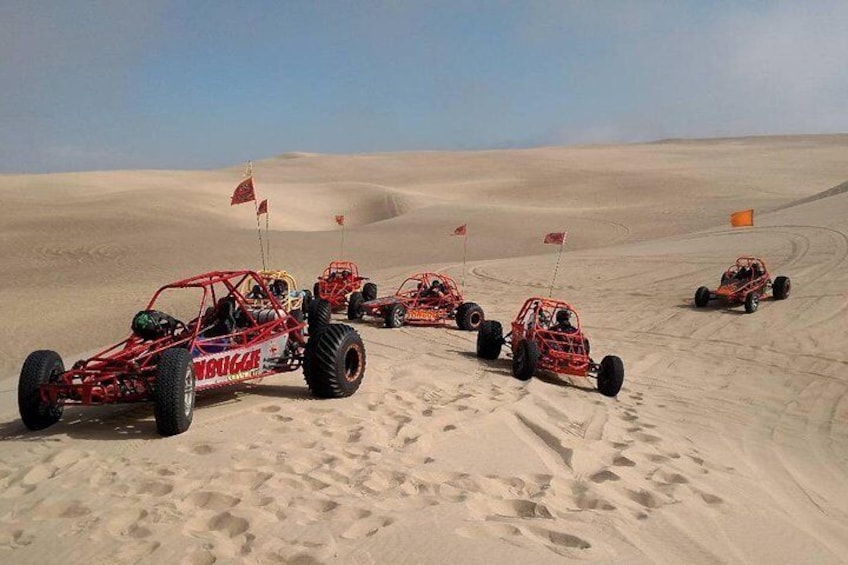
436,290
256,293
279,288
563,323
743,274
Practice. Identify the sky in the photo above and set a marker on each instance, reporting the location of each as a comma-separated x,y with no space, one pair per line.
183,84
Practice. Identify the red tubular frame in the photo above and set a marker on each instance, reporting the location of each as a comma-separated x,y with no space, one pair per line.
735,292
559,352
335,290
429,310
126,371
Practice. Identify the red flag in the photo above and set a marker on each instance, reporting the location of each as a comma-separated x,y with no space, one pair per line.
340,219
461,230
742,218
263,208
243,192
557,238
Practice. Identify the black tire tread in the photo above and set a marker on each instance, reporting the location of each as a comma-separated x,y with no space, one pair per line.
36,371
321,362
610,376
168,405
489,340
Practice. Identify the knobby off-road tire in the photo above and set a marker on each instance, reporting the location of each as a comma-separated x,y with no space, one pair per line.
355,310
40,368
173,406
369,291
752,302
489,340
780,289
320,314
610,376
316,290
334,362
395,315
469,316
702,297
525,360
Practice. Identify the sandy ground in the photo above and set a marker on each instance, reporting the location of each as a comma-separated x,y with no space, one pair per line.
727,444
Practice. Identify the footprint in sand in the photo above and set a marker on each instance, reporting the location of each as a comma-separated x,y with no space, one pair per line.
155,488
270,409
561,539
212,500
366,527
622,461
645,498
603,476
228,524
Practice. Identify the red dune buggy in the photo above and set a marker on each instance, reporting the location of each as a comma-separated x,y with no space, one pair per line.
338,281
745,282
226,339
546,335
423,299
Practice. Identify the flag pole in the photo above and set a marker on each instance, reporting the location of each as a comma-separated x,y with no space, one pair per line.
464,255
259,233
556,269
343,230
268,233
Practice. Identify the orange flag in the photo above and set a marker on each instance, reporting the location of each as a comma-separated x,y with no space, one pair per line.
340,220
742,218
243,192
461,230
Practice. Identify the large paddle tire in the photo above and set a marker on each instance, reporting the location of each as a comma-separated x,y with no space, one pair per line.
173,406
355,310
702,297
316,290
306,302
395,315
610,375
320,313
781,288
489,340
40,368
525,360
334,362
369,291
469,316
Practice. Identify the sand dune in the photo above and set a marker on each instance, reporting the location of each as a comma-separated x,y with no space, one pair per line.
727,444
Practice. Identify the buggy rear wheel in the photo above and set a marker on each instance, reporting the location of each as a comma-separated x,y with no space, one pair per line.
320,314
369,291
316,290
355,310
40,368
525,360
469,316
610,376
489,340
395,315
752,302
175,392
334,362
780,289
702,297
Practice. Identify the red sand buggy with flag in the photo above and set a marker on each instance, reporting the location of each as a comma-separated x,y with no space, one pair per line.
746,282
546,335
223,339
422,299
339,281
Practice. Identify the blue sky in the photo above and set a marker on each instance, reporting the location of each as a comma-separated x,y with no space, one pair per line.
105,84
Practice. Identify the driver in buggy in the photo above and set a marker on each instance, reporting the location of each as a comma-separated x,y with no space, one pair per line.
279,288
563,323
436,290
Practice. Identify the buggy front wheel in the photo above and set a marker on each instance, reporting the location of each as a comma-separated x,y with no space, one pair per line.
334,362
524,360
175,392
355,310
752,302
702,297
489,340
369,291
395,316
40,368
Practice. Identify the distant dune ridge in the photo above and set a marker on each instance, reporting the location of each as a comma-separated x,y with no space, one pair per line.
727,443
